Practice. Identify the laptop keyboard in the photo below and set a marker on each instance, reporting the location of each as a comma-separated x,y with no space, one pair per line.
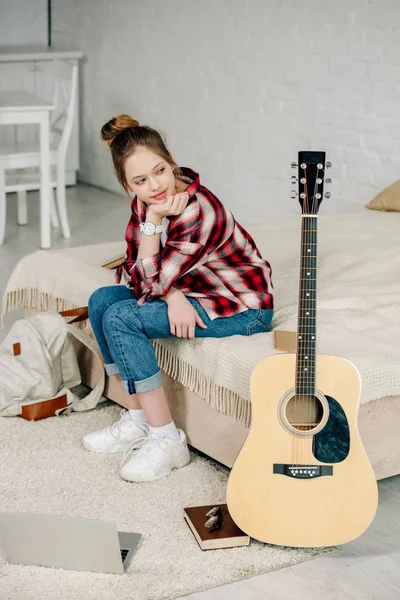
124,553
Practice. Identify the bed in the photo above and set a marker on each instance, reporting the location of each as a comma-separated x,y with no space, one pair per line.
207,380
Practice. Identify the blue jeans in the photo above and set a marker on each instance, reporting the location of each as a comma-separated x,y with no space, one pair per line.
124,332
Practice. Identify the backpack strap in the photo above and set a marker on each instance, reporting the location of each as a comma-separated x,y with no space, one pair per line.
94,396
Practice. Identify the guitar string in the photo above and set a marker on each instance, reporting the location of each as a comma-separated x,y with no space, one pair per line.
303,302
313,400
307,303
306,378
308,359
304,385
308,367
307,362
300,340
295,445
299,384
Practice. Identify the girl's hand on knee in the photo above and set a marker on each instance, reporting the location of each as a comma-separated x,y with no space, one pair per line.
183,317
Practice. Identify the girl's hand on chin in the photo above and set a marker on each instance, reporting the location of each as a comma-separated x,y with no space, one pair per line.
174,205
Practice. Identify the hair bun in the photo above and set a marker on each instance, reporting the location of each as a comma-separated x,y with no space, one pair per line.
115,126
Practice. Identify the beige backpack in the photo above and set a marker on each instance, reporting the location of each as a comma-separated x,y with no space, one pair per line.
38,366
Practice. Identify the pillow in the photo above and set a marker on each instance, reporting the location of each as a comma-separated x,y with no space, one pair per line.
388,199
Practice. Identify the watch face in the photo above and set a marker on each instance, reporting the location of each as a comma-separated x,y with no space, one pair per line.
149,228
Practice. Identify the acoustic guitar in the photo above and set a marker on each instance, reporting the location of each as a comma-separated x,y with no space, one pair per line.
303,477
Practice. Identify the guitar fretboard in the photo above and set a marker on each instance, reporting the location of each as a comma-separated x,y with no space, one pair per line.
306,328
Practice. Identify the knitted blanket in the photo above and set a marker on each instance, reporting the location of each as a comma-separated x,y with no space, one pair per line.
358,304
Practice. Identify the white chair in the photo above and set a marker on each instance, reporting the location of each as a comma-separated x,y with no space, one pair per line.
19,157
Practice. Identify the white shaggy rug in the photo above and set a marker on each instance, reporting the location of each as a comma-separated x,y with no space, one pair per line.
45,469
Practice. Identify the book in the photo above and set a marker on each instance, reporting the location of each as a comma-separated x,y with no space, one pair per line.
227,536
114,262
285,340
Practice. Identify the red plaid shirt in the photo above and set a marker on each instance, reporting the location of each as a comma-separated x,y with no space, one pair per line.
207,255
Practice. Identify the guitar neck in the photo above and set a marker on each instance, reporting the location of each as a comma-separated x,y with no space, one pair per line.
311,174
307,310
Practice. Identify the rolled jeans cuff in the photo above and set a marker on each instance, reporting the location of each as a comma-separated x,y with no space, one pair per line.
144,385
111,369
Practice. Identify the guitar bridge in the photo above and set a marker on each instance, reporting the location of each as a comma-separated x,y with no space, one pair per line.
303,471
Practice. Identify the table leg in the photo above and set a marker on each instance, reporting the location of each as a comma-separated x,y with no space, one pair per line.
45,205
3,205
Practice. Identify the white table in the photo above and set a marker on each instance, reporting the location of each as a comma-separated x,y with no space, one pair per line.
28,67
18,107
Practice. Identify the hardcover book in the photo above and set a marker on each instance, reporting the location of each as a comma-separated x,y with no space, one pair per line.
226,535
114,262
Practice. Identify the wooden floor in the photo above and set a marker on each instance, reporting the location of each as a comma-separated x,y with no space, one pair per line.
365,569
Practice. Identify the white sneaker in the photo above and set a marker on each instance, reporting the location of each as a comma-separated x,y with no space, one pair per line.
118,436
155,459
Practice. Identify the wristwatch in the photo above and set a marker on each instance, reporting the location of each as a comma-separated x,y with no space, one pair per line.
150,229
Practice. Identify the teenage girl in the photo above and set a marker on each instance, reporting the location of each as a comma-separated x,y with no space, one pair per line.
190,270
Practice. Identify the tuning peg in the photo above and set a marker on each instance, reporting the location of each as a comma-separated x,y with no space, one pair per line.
328,180
294,194
293,179
294,165
328,164
327,195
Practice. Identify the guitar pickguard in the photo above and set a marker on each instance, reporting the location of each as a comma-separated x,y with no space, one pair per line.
332,444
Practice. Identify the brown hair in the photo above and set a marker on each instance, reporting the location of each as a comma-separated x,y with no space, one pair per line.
124,134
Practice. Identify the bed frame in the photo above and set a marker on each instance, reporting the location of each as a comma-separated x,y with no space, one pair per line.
221,437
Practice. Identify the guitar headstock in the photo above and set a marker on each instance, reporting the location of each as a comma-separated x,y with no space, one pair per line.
311,179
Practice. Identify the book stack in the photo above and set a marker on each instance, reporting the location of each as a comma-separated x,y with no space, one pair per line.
227,536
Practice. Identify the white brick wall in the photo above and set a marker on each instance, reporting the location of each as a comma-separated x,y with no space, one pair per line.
239,86
23,22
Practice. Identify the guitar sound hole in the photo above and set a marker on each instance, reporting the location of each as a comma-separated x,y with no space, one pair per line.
304,412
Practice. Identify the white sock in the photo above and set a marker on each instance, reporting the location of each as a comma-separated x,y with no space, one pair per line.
137,415
169,430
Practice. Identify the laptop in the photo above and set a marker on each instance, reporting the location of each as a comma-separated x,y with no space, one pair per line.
66,542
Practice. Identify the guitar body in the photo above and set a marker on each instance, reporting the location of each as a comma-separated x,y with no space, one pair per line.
307,508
